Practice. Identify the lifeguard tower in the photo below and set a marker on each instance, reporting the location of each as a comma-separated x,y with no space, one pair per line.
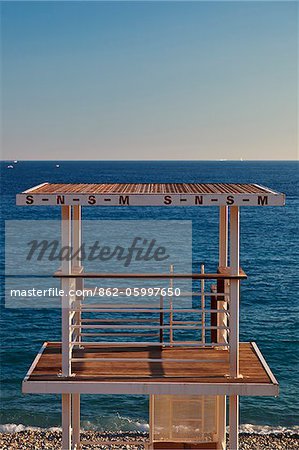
188,381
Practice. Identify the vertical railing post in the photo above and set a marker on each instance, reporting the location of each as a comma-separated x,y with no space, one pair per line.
214,315
203,304
161,321
171,307
65,324
234,324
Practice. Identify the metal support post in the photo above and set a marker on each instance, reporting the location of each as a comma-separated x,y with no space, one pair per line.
234,324
65,326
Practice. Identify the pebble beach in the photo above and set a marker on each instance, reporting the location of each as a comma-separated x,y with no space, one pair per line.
40,440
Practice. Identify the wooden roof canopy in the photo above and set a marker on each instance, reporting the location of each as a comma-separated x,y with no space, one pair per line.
150,194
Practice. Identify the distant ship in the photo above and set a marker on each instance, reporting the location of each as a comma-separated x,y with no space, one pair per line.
10,167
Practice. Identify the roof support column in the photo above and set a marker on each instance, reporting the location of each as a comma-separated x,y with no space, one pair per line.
234,291
234,324
65,324
222,285
79,282
66,268
77,265
222,317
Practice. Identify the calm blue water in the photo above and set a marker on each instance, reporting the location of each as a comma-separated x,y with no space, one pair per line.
269,302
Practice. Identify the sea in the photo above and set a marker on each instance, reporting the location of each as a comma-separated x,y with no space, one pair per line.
269,309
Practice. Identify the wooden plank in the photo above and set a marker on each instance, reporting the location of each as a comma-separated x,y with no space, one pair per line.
149,188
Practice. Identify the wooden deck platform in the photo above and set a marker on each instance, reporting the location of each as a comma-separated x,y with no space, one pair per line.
150,370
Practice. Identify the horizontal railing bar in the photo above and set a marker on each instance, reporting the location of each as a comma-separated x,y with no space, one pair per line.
158,310
180,360
118,320
206,294
124,305
149,344
194,276
125,309
153,305
120,334
188,343
187,322
182,294
137,327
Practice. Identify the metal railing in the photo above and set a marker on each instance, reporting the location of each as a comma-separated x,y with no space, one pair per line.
197,318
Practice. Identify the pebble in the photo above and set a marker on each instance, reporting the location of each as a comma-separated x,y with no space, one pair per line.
44,440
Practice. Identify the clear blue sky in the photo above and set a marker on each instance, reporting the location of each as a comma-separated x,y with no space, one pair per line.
152,80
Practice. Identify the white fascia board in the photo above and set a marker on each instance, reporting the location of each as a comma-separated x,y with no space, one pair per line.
167,200
136,388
